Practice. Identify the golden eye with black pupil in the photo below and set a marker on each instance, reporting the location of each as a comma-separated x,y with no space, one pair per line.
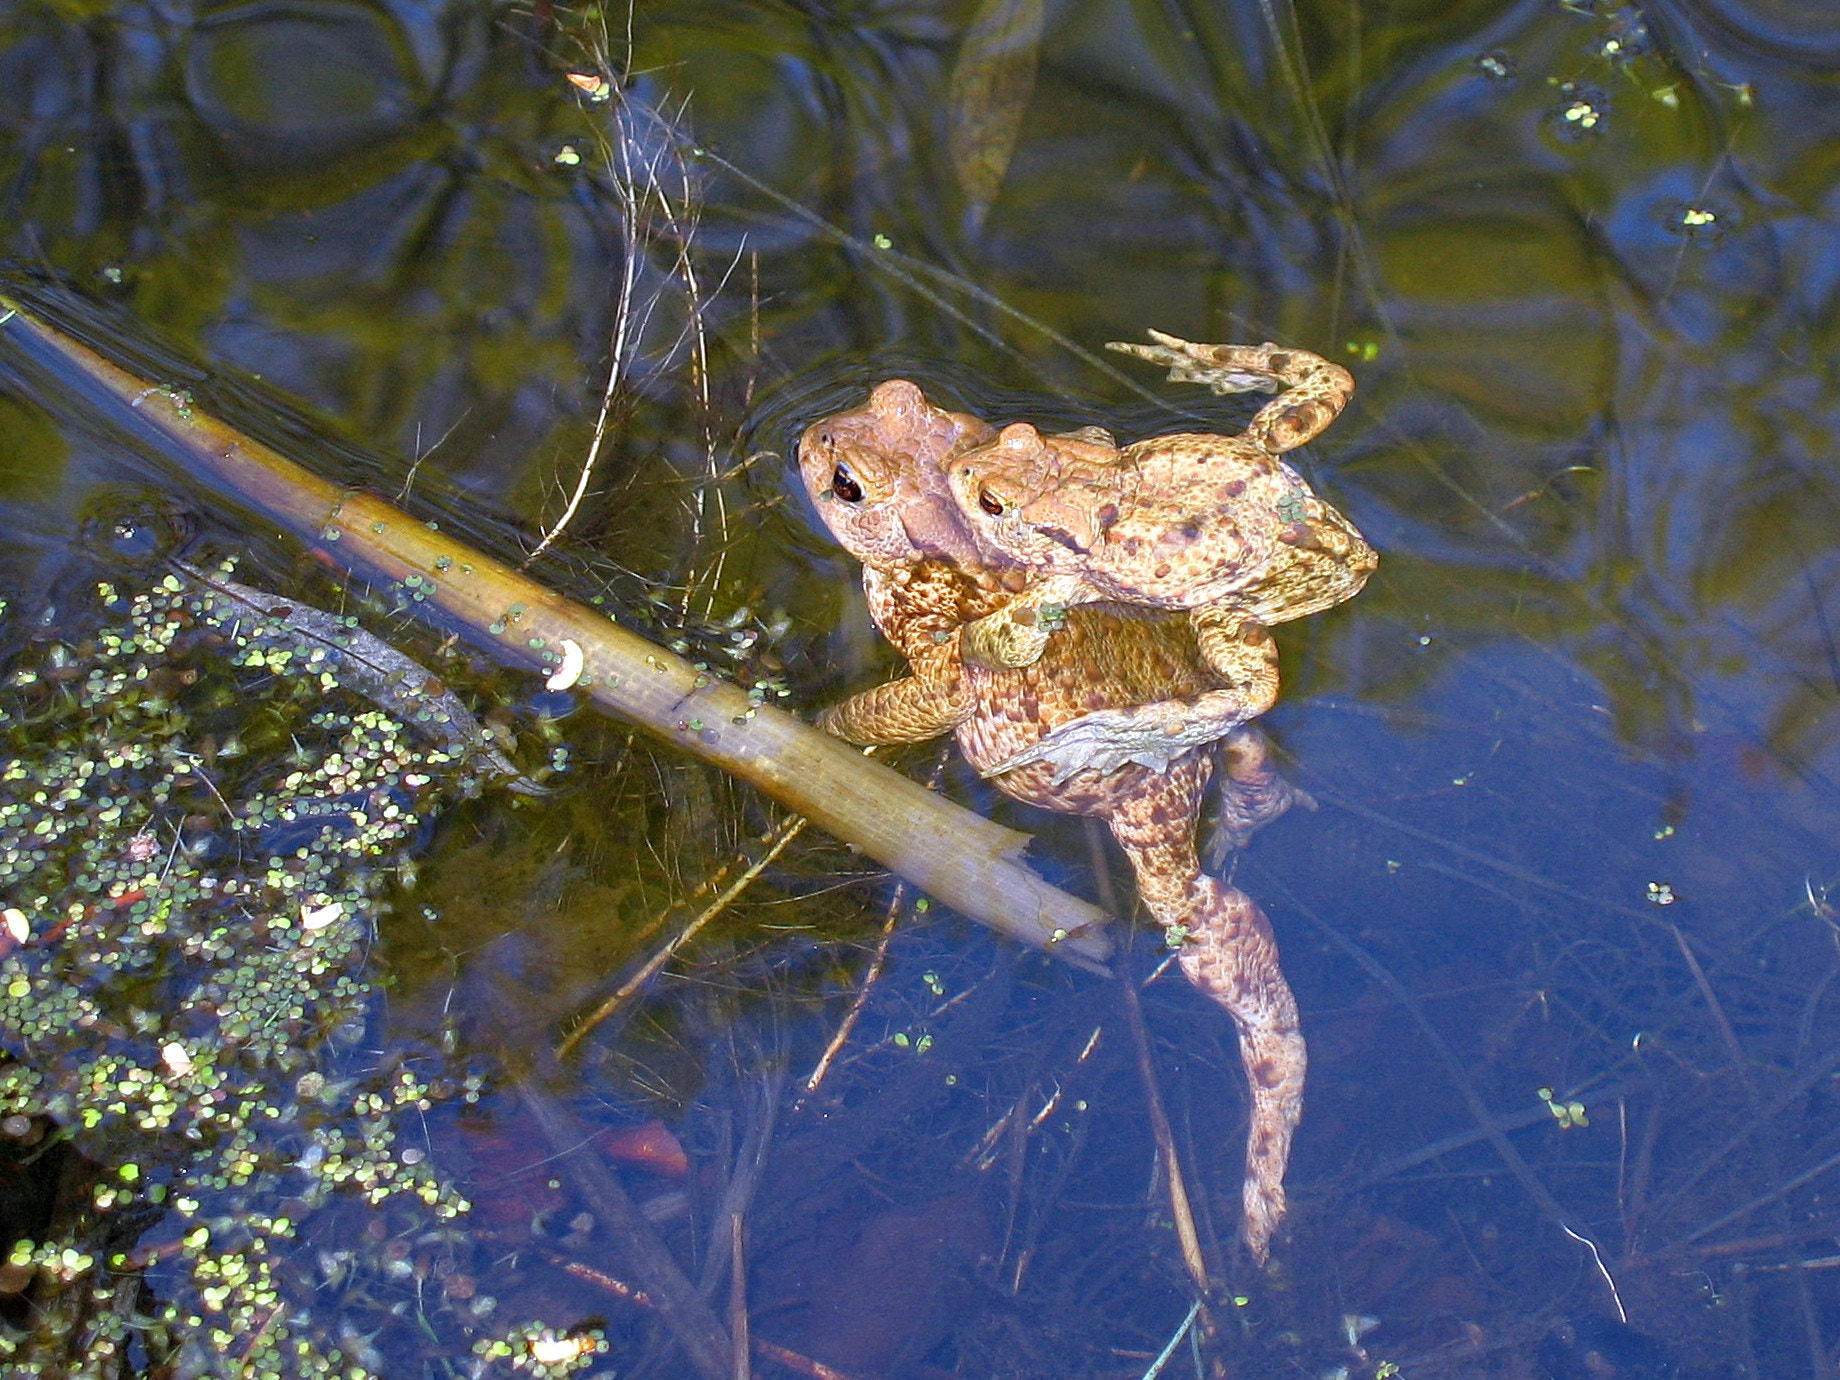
990,503
845,487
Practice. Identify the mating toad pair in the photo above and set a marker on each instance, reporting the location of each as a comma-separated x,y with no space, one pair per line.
1037,586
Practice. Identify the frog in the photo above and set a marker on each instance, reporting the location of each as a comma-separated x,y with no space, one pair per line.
889,455
1217,525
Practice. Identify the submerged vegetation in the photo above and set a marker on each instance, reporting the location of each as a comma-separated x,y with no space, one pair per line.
200,828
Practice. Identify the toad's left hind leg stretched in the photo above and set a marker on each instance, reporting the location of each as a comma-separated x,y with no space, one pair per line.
1228,951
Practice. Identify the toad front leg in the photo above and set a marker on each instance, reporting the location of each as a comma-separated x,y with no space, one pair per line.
901,711
931,702
919,610
1017,634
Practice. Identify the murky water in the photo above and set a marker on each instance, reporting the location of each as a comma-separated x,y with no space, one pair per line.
1573,749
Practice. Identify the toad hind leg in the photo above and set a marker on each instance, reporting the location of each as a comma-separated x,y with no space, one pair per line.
1236,648
1229,952
1252,794
1311,391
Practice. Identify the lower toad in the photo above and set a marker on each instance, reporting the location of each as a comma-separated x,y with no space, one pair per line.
1102,660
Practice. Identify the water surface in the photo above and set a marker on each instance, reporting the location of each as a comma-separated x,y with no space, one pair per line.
1573,748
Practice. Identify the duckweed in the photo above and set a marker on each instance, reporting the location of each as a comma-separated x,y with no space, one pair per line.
198,831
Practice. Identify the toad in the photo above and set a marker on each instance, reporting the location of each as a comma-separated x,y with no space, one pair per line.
1214,524
865,470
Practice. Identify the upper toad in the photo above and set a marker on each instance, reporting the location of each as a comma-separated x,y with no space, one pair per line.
1214,524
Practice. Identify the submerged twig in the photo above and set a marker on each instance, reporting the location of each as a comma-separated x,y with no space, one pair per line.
1761,1116
1188,1236
636,187
777,843
1776,1193
858,1003
1163,1357
745,1167
614,1287
366,664
797,1364
1616,1297
1713,1005
737,1295
695,1328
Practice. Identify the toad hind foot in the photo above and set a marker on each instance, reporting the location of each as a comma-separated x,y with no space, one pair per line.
1312,391
1151,735
1252,794
1228,951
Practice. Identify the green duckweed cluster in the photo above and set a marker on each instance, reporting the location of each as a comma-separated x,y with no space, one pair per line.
195,844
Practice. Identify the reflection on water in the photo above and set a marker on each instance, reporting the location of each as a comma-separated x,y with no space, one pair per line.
1573,748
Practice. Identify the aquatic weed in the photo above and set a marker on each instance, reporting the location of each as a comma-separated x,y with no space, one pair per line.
195,845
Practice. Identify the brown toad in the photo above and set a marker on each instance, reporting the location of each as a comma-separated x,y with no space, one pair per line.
866,459
1217,525
858,464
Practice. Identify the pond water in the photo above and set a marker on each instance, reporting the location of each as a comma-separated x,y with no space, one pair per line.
1559,923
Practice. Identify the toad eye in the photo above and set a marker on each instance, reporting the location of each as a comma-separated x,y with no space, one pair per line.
990,503
844,486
